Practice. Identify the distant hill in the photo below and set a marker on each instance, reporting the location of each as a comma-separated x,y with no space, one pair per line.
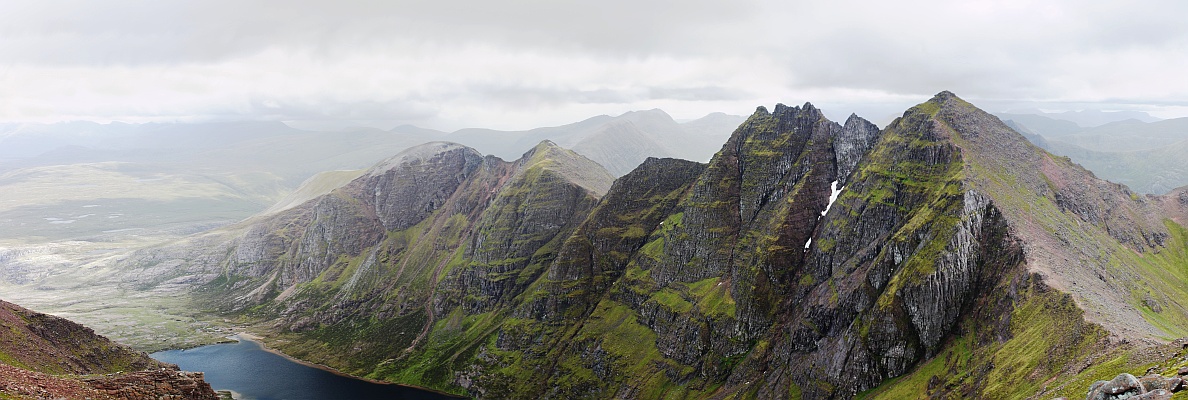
618,143
1146,156
1092,118
85,180
1041,124
1082,118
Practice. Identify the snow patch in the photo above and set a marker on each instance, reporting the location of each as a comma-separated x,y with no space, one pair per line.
834,193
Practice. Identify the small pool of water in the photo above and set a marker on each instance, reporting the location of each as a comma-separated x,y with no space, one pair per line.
253,373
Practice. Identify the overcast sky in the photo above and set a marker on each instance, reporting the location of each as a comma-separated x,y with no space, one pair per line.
523,64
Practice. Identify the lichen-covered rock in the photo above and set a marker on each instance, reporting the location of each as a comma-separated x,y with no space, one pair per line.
1121,387
1158,394
1153,382
1126,386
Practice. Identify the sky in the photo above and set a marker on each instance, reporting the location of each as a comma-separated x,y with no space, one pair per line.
530,63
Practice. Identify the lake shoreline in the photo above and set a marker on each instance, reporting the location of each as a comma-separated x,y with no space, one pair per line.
248,336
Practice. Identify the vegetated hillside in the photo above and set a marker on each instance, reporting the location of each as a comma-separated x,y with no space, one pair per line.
617,143
943,256
43,356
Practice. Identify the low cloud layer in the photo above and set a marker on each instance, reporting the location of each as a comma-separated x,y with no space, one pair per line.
521,64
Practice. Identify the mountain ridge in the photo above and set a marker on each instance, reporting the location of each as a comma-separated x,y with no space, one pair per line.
806,259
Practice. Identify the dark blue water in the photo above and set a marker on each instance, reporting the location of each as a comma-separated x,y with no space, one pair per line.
253,373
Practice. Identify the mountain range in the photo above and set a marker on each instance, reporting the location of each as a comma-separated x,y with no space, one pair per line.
942,256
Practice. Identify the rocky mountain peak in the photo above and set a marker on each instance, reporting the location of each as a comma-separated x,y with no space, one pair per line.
944,96
851,143
807,109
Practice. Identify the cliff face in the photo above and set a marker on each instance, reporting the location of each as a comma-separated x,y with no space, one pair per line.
942,256
40,356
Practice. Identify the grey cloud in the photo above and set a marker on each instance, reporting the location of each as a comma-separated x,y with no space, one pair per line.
519,96
705,93
135,32
851,55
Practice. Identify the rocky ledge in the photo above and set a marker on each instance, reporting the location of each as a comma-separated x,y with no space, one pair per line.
165,383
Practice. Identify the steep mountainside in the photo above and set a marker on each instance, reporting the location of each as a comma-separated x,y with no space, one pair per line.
41,356
943,256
